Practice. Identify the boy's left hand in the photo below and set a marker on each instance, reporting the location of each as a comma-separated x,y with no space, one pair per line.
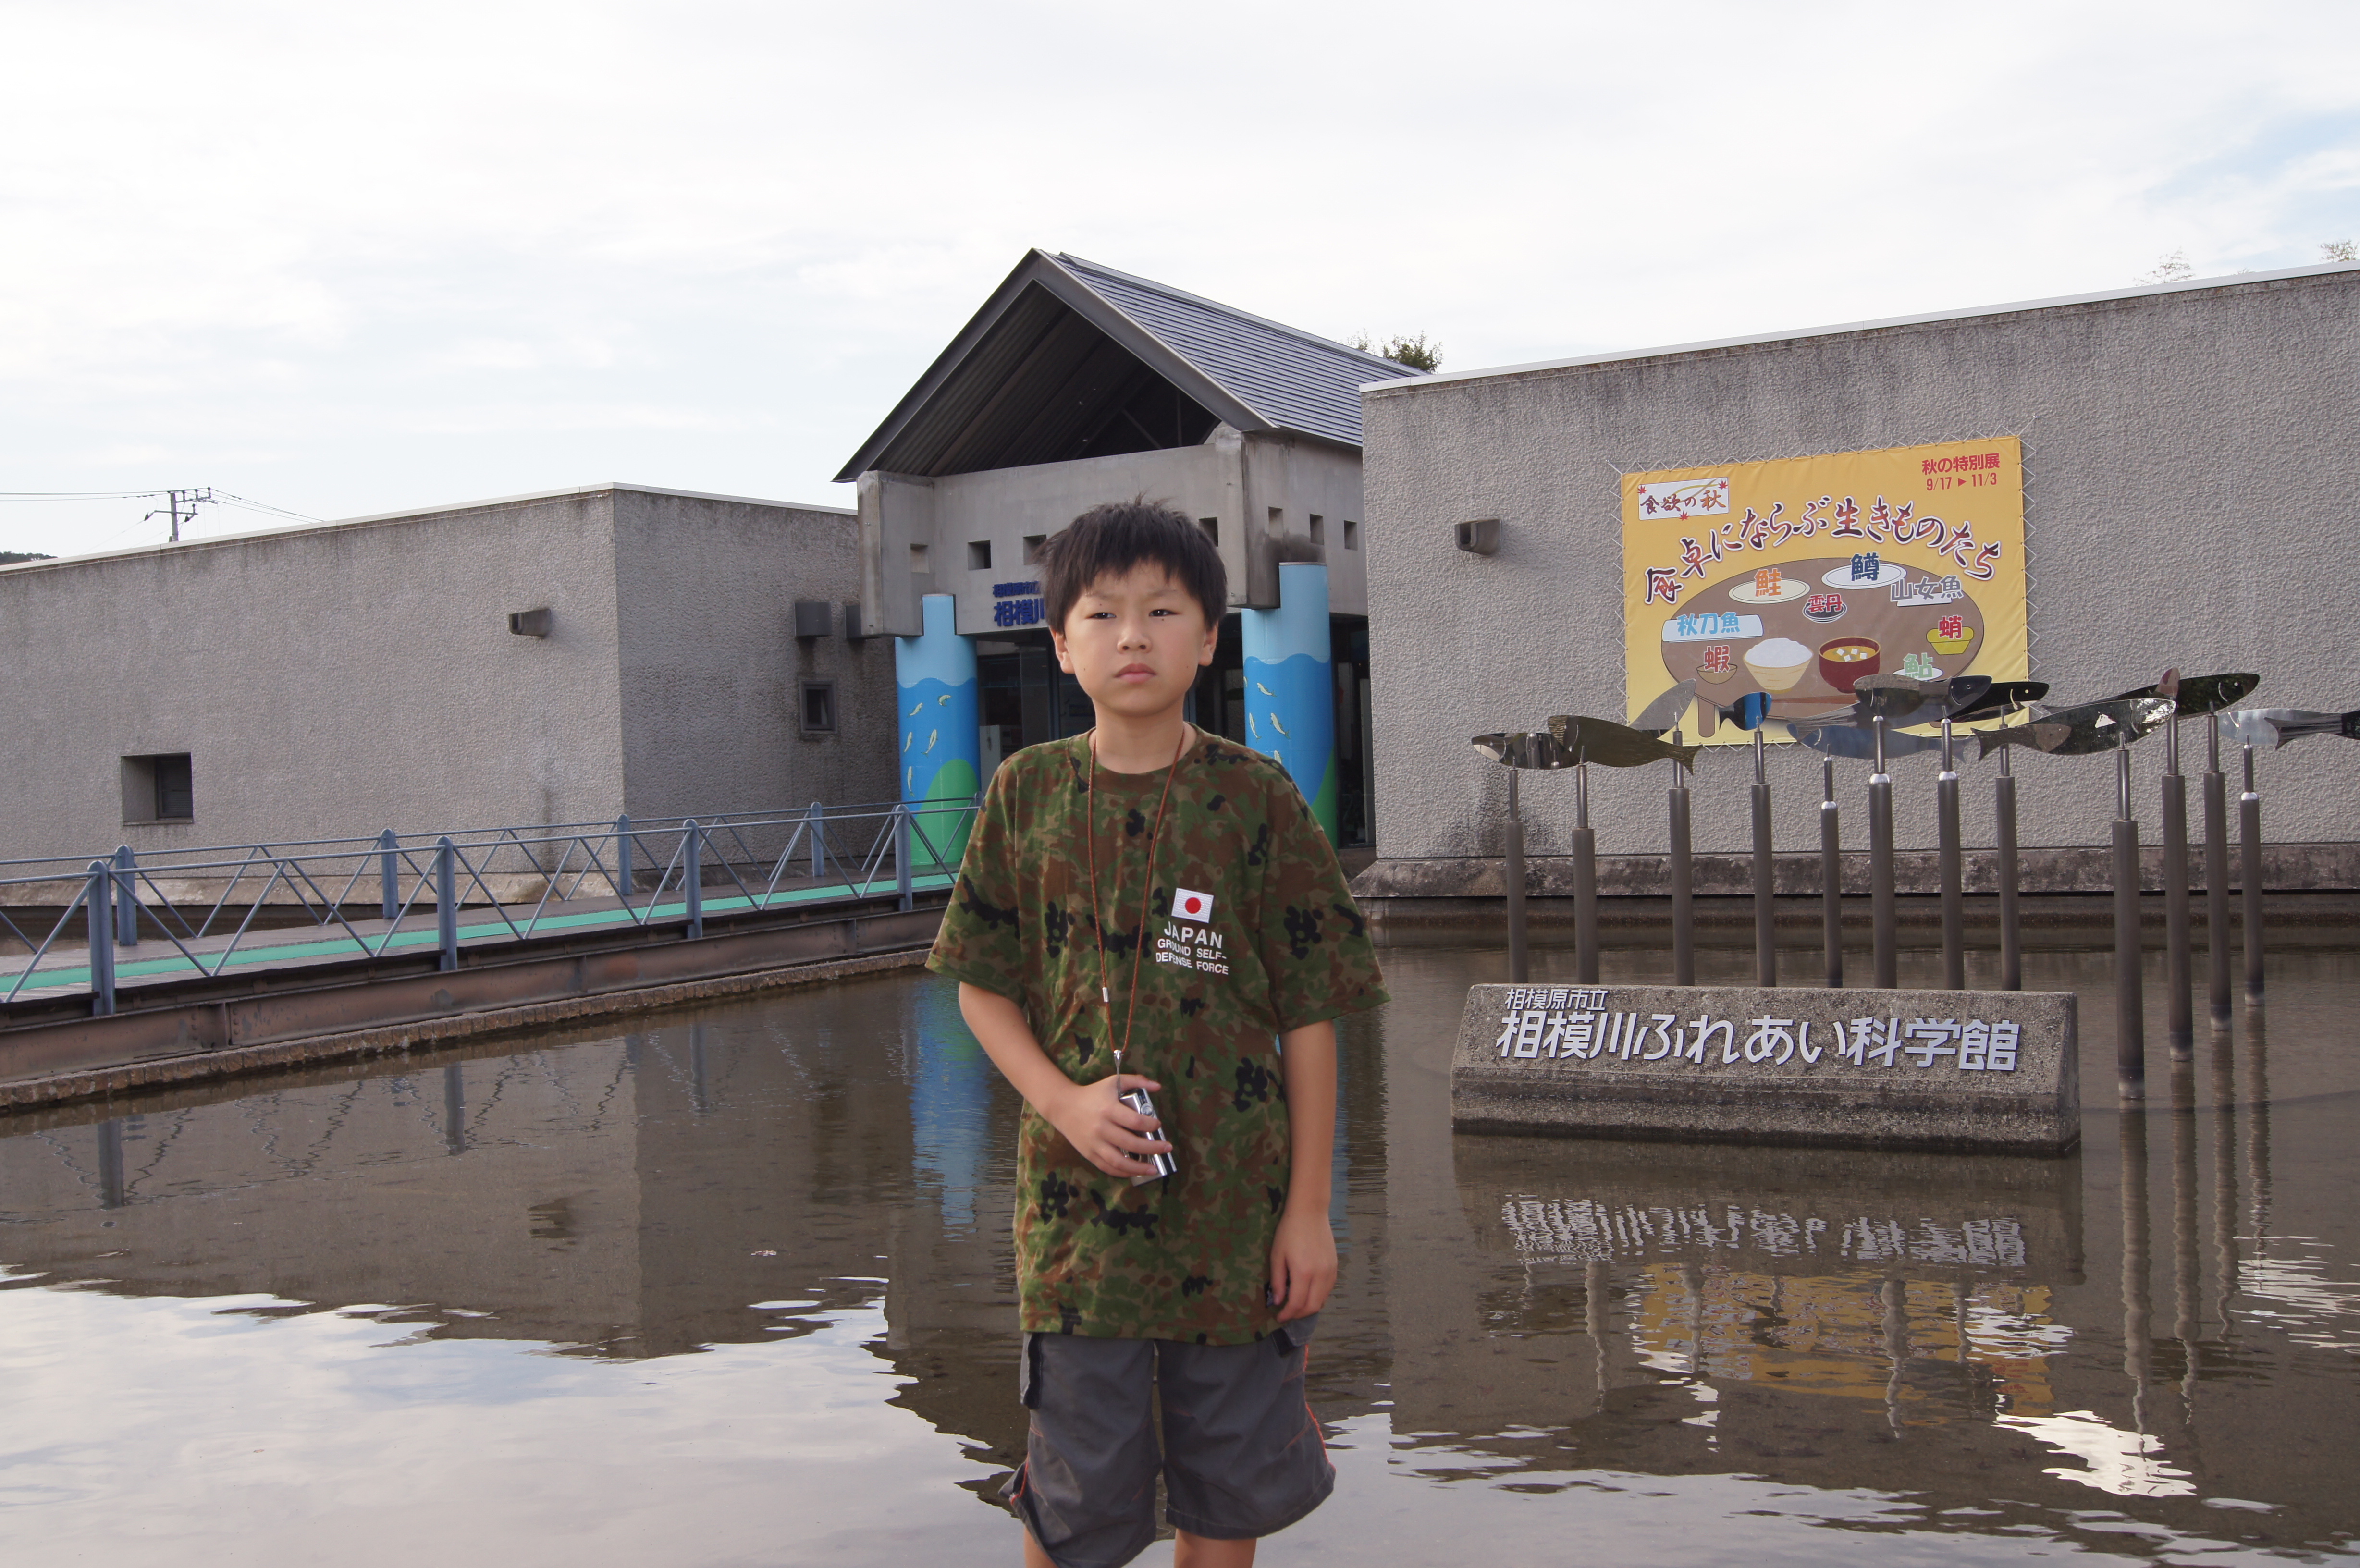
1302,1264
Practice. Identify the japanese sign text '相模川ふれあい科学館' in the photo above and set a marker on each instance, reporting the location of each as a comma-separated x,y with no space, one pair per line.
1798,576
1733,1063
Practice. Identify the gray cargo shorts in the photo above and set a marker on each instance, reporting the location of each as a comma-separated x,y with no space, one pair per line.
1242,1456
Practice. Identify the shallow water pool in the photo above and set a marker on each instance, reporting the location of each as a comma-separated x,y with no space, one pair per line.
733,1288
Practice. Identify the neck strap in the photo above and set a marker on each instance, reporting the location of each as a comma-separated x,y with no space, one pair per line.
1146,895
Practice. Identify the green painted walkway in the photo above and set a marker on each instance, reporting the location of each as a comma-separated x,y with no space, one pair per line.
264,952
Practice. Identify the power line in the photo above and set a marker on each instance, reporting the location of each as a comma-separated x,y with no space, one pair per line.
173,508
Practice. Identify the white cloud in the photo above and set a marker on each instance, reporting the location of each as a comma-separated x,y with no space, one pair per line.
320,255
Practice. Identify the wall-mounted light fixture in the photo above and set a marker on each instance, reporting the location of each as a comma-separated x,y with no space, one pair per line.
1481,536
528,623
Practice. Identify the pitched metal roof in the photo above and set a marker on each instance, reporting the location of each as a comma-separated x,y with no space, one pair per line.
1069,358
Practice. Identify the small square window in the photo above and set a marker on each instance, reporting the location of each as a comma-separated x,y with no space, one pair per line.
818,707
1319,529
1212,526
918,559
158,788
1351,534
978,555
1277,521
1032,543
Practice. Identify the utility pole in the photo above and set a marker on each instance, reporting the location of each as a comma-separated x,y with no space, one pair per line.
190,499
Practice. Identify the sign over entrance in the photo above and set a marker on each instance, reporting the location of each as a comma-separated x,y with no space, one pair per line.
1798,576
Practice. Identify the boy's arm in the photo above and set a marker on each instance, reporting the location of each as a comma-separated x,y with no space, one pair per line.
1108,1133
1303,1258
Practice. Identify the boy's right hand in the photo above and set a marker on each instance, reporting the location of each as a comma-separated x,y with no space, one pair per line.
1108,1133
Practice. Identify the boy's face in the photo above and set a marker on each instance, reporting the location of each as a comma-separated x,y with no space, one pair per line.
1135,642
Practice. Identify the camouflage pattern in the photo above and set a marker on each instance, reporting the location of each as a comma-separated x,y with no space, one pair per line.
1283,946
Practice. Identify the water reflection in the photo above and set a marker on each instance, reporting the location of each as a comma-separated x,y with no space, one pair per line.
808,1197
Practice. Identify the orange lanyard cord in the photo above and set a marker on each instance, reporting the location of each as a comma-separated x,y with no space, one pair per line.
1146,895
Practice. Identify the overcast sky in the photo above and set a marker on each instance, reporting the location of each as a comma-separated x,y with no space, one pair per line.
346,259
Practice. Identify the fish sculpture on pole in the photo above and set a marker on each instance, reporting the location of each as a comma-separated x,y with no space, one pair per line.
2077,731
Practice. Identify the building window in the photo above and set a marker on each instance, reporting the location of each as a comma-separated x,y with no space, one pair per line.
158,788
918,559
978,555
1277,522
1032,543
819,708
1212,526
1318,529
1351,534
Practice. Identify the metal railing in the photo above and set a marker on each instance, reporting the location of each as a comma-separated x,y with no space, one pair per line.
204,904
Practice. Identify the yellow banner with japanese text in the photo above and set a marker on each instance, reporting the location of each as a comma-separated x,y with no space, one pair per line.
1798,576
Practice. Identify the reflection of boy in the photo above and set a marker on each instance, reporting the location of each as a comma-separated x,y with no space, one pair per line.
1151,890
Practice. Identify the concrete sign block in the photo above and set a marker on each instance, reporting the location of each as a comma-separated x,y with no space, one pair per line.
1966,1070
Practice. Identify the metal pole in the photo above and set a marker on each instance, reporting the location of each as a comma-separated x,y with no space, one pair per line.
2130,1006
2011,928
1683,880
1519,968
692,856
1585,882
1831,875
902,855
623,872
1885,924
127,897
2249,850
388,880
1954,870
446,902
2179,985
99,907
2216,871
818,841
1766,888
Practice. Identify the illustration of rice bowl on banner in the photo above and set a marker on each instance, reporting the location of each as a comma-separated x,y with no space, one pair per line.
1798,576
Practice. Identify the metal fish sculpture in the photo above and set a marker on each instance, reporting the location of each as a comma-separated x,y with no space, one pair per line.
1901,702
2075,732
1665,711
1523,748
2198,694
1858,742
1615,745
2004,698
1747,712
2276,727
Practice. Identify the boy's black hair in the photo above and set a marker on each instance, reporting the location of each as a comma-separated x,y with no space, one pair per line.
1112,538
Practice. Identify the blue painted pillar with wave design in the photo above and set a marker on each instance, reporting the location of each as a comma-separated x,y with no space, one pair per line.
1291,686
942,753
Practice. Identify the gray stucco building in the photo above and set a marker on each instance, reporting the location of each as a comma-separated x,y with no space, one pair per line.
1076,385
2183,448
542,658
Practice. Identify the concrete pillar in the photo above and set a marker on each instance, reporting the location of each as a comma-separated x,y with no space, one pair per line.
939,708
1290,688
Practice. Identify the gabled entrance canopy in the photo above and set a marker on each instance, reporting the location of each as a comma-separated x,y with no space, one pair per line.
1068,359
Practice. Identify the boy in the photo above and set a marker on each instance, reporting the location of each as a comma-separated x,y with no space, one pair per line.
1149,908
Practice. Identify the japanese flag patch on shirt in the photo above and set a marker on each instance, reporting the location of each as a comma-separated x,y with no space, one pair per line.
1187,904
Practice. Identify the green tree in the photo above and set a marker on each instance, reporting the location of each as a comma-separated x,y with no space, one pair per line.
1415,353
11,557
2339,250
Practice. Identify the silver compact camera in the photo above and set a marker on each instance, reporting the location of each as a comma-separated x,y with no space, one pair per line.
1138,1100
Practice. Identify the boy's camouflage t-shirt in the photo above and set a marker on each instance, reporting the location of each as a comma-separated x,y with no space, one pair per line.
1250,932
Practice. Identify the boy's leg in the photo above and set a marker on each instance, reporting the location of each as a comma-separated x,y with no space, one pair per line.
1086,1492
1199,1551
1244,1455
